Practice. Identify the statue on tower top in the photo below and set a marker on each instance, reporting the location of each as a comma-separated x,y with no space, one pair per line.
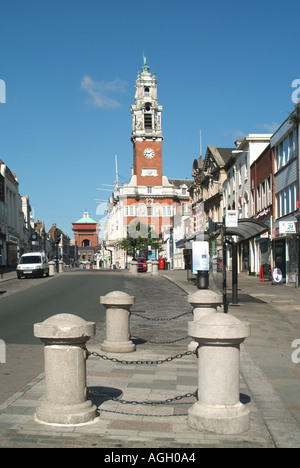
145,67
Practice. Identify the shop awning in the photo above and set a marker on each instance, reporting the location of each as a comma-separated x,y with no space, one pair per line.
247,229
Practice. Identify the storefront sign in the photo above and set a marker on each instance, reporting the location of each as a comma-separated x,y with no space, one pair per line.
231,218
287,227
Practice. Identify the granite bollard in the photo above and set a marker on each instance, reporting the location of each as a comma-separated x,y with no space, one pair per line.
65,402
218,408
133,267
149,266
51,268
117,304
155,267
204,302
60,266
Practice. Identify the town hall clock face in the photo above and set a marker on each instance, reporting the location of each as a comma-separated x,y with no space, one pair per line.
149,153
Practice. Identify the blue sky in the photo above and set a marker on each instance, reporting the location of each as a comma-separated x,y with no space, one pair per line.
70,67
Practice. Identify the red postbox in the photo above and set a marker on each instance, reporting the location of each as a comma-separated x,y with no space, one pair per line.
161,263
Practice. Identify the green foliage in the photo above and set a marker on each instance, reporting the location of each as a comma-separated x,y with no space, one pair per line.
295,115
130,244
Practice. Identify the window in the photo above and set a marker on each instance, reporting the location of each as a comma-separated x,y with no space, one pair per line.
149,210
269,191
246,168
286,201
258,205
148,120
286,150
240,175
149,190
263,195
147,91
252,203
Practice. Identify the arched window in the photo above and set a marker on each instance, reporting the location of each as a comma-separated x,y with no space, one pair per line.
86,243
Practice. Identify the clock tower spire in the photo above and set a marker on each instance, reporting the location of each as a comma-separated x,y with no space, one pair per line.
146,130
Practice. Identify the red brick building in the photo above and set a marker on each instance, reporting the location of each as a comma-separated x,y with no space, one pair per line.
262,203
86,237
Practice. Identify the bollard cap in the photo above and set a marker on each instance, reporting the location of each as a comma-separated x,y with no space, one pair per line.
219,326
64,327
117,298
204,298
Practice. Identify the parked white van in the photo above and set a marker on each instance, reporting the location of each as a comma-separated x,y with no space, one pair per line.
33,264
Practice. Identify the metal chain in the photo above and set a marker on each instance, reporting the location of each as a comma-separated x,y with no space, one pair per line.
160,342
152,403
160,319
124,413
160,361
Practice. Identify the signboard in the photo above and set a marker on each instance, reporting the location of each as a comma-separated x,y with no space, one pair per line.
200,252
287,227
231,218
277,275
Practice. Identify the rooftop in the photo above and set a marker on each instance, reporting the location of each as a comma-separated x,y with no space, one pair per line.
85,219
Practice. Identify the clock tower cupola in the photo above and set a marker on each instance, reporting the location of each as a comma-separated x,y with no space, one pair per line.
146,130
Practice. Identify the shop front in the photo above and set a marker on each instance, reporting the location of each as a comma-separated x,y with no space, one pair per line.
285,250
12,251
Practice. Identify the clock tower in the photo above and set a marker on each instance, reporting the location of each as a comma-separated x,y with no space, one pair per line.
146,130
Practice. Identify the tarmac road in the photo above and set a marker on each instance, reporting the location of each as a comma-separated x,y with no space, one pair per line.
28,301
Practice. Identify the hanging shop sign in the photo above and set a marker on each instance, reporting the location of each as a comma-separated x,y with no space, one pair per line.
287,227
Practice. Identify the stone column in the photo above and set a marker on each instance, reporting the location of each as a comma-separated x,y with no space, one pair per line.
204,302
51,268
60,266
117,304
149,266
218,408
155,267
65,402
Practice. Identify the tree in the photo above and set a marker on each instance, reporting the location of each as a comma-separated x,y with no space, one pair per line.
131,244
295,115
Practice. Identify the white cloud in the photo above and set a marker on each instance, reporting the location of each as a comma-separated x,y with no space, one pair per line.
99,91
271,127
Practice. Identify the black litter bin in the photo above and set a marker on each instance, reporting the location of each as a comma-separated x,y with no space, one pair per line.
202,279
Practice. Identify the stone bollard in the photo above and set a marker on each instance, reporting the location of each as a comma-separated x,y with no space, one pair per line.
65,403
51,268
155,267
218,408
117,304
149,266
204,302
133,267
60,266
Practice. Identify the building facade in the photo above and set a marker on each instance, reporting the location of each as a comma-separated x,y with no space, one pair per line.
262,208
149,199
237,187
285,151
86,237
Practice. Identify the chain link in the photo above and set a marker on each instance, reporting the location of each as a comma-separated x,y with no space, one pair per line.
160,319
160,342
160,361
152,403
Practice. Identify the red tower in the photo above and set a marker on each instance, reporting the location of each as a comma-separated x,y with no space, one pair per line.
86,237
